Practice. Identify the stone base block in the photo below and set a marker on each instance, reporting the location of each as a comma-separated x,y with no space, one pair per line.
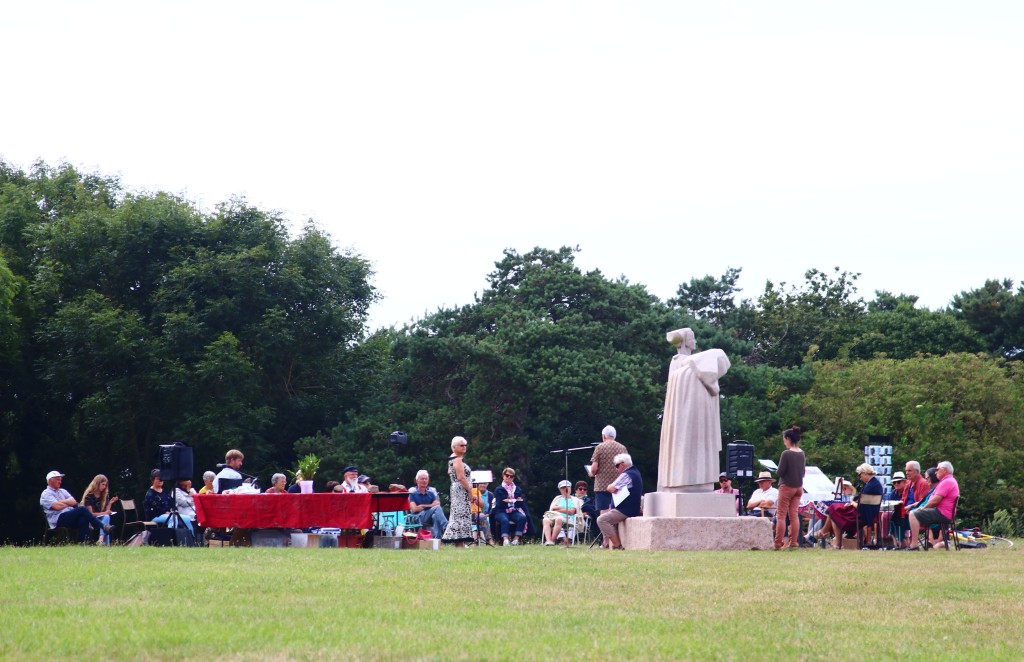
697,533
683,504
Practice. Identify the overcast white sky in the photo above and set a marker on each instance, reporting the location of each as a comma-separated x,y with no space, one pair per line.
669,140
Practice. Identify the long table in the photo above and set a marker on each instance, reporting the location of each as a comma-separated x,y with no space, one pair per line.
295,511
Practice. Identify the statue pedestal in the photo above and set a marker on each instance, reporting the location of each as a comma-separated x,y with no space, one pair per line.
697,533
684,504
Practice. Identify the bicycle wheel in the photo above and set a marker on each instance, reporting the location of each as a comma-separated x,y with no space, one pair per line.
998,542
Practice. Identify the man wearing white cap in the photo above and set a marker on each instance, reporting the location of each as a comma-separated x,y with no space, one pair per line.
62,509
562,512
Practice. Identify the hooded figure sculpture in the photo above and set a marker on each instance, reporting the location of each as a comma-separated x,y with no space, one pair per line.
691,430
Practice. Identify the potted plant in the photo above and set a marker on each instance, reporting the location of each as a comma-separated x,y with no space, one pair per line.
308,467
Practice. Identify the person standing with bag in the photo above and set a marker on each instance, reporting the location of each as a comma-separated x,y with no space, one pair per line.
791,488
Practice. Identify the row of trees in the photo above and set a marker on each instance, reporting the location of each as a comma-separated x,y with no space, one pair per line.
128,320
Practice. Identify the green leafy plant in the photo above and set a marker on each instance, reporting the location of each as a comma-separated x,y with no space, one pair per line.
308,466
1004,523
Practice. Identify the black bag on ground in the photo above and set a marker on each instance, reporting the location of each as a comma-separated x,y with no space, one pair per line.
164,537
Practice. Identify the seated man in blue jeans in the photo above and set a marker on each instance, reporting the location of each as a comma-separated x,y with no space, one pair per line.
425,505
61,509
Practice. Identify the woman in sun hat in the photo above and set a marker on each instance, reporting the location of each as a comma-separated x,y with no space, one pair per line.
763,499
561,512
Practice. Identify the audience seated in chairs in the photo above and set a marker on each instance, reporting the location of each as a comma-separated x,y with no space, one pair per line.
762,500
62,509
509,507
844,518
561,513
157,503
425,505
98,501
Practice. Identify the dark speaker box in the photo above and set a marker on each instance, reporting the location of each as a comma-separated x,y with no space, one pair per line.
175,461
740,459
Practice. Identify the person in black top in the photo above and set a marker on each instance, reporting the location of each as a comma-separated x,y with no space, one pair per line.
158,501
791,488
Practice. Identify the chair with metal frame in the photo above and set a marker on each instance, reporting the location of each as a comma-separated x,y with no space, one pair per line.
867,532
948,531
61,535
132,520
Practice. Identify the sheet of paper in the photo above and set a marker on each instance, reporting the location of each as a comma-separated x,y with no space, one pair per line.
620,496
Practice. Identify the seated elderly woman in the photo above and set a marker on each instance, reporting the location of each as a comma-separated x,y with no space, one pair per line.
843,517
561,512
183,494
207,487
278,485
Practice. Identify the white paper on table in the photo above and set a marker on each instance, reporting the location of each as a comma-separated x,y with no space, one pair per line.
620,496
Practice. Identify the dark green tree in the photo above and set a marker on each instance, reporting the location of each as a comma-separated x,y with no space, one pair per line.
141,319
996,312
542,360
817,321
894,328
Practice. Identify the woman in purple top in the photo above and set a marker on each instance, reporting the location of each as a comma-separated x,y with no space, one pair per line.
791,487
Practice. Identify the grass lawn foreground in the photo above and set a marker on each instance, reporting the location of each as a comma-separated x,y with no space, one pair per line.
522,603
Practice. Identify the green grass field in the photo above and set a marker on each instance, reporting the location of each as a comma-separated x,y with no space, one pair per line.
522,603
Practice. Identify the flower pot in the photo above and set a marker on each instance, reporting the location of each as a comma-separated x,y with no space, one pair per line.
306,486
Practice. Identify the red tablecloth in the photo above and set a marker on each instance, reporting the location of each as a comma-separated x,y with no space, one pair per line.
295,511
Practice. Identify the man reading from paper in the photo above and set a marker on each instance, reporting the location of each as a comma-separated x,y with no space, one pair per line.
626,491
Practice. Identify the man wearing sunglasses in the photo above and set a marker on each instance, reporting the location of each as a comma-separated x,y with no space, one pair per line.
725,487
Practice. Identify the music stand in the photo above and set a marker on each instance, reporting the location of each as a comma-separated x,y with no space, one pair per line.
565,452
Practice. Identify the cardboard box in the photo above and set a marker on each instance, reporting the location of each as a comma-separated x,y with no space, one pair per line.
434,544
850,543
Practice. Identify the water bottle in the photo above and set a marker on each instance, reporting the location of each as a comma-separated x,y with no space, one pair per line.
388,531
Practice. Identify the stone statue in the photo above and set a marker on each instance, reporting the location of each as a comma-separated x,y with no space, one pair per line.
691,431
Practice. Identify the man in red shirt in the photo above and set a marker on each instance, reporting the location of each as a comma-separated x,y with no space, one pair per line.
917,486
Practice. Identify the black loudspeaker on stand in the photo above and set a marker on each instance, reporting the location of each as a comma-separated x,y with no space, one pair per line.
739,464
175,460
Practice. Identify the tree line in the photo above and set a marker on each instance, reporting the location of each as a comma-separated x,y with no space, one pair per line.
132,319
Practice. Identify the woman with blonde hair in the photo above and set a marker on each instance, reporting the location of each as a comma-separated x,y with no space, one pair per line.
98,500
844,517
460,523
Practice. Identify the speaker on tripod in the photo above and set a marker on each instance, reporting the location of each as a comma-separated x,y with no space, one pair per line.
175,461
739,461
